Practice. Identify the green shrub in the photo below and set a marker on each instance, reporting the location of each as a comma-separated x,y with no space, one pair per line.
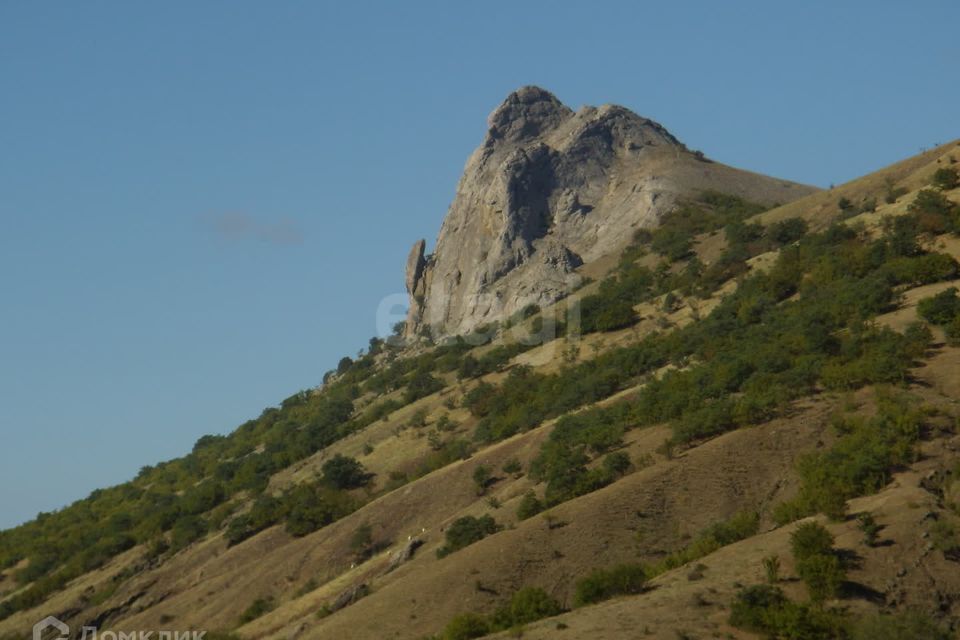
945,178
599,315
186,530
709,211
787,231
869,527
742,232
816,561
309,507
342,472
935,212
900,234
259,607
465,531
529,506
941,308
616,464
202,498
482,478
823,574
952,331
466,626
739,527
421,384
264,512
765,609
527,605
344,365
810,539
603,584
673,244
860,462
755,608
920,270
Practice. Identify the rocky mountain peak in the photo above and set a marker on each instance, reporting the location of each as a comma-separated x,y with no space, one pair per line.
548,190
526,113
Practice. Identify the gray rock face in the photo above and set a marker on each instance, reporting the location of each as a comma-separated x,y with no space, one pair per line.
548,190
349,596
404,553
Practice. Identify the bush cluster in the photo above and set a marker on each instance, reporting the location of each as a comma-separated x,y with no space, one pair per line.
943,309
603,584
817,562
527,605
861,460
465,531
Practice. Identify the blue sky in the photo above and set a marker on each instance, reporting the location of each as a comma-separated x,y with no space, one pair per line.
201,204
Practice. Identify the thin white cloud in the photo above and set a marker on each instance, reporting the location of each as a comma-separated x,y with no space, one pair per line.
238,226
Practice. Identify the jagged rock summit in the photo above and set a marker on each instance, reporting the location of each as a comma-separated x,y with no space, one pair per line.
548,190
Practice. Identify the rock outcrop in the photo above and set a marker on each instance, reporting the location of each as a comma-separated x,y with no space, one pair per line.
404,554
546,191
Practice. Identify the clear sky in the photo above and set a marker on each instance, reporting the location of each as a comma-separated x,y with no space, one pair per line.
202,203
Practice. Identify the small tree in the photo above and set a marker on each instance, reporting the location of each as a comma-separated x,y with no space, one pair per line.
616,464
465,531
754,605
527,605
816,561
933,203
257,608
787,231
344,365
871,530
823,575
482,478
342,472
187,529
946,178
941,308
421,384
466,626
953,332
529,506
603,584
810,539
202,498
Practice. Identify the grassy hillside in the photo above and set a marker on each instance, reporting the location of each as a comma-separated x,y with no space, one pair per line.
636,456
